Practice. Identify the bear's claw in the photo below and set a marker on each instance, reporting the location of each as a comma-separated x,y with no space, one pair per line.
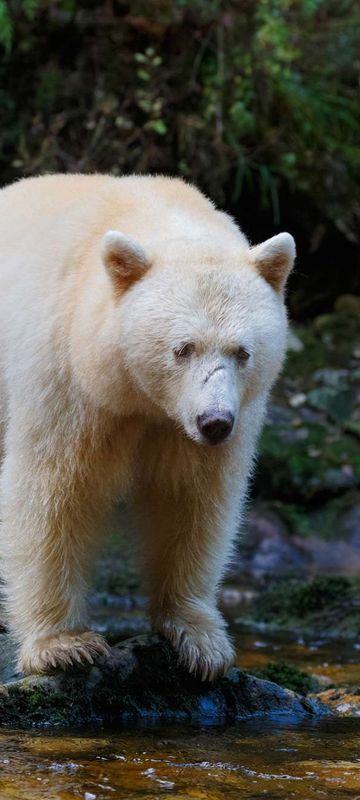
205,654
63,651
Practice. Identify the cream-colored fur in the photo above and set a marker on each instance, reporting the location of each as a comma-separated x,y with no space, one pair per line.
123,305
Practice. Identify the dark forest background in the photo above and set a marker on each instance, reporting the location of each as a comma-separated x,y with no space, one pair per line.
256,101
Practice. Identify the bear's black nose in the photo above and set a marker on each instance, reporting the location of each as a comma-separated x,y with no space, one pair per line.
215,426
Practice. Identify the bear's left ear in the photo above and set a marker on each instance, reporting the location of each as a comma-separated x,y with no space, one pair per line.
124,259
274,259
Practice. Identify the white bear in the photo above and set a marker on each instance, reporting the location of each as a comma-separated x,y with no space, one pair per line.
140,336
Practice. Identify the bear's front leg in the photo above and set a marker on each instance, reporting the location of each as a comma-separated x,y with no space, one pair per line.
187,538
49,529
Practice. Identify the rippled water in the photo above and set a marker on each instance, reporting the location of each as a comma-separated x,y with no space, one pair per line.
244,760
247,760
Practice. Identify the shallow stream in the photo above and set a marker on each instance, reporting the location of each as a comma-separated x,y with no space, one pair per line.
247,760
250,760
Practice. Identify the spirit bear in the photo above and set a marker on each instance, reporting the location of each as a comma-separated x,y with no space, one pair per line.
140,336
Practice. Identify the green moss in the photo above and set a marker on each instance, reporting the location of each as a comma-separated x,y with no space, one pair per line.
37,698
288,676
322,593
326,605
36,703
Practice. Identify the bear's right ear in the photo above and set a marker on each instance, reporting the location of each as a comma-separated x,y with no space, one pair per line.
274,259
124,259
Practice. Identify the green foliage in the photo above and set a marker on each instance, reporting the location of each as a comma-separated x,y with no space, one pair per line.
259,96
6,26
27,7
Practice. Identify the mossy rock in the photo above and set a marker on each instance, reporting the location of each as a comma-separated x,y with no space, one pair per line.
326,605
144,680
288,676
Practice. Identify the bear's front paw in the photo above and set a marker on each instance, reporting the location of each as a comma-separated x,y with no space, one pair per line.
62,651
206,654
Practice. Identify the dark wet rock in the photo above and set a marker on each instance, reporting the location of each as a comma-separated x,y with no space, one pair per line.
143,681
288,675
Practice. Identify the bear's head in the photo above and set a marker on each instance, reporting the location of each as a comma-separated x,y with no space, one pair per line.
201,333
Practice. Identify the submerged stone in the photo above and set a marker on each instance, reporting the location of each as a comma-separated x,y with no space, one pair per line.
143,681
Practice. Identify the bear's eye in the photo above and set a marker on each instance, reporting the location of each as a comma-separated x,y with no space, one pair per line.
242,355
184,351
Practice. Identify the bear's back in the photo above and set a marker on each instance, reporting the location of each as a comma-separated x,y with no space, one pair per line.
69,209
